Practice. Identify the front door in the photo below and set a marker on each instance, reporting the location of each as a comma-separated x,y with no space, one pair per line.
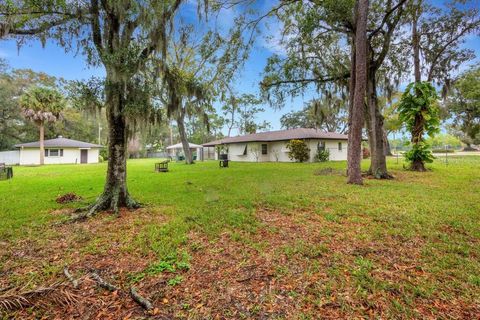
83,156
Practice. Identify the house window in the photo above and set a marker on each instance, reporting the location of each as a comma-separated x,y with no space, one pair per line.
321,146
264,149
339,146
53,152
245,150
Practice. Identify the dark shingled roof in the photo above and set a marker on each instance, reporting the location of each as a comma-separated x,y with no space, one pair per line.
59,142
281,135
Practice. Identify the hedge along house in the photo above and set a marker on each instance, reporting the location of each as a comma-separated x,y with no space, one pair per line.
59,151
272,146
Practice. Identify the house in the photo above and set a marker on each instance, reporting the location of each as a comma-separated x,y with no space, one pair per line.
272,146
177,149
59,151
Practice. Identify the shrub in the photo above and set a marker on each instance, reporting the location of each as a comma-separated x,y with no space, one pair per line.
104,153
298,150
419,152
365,153
323,155
100,159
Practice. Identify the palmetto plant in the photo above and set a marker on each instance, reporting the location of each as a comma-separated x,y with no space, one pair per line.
42,105
419,111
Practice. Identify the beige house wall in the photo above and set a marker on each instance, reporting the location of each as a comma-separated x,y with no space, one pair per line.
277,151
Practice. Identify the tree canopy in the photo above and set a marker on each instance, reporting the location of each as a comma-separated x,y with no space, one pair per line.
464,106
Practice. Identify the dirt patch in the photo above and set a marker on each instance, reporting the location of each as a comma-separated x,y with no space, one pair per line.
329,172
68,197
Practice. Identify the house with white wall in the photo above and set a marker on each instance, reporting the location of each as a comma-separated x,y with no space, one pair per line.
59,151
272,146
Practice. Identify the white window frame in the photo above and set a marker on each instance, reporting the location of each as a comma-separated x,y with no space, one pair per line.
49,155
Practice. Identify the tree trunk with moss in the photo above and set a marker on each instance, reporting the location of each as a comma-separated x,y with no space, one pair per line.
417,137
115,193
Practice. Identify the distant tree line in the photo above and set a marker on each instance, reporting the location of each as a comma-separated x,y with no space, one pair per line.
16,128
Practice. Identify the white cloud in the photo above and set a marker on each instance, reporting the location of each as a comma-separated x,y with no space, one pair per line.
272,39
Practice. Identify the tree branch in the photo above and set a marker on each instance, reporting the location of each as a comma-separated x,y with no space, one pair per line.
385,18
468,28
95,24
343,76
5,30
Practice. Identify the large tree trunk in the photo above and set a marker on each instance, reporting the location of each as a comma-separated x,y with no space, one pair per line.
417,137
115,193
356,117
41,129
183,137
374,123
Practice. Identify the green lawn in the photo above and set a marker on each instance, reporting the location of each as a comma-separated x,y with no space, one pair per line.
275,240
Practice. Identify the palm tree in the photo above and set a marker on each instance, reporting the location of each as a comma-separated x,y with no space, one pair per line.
42,105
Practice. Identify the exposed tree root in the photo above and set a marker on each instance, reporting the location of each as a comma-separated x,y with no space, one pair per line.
378,175
107,201
418,166
70,278
147,305
143,302
104,284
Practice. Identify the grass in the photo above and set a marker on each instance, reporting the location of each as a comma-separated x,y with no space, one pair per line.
408,247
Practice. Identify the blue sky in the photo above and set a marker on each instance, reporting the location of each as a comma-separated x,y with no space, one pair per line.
55,61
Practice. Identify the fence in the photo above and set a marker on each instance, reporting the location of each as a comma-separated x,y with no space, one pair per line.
157,154
10,157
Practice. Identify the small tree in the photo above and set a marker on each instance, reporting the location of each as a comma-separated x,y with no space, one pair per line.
298,150
276,154
255,151
419,111
42,105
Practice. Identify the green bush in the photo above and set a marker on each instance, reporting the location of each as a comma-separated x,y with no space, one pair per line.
298,150
420,151
100,159
104,153
323,155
